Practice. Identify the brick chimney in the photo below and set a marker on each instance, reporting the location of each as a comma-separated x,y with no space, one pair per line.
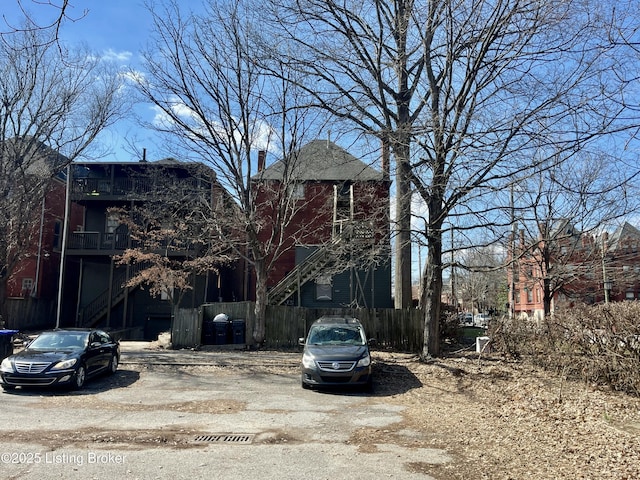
262,156
384,158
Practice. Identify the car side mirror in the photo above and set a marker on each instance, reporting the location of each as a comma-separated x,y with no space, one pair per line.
372,342
95,344
301,341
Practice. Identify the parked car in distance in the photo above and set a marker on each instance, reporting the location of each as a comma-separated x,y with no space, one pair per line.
336,353
62,357
465,319
482,320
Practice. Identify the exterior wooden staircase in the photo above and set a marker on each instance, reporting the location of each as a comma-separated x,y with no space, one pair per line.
322,258
304,272
94,311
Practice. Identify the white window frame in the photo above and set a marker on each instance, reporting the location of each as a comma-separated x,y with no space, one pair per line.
27,286
324,289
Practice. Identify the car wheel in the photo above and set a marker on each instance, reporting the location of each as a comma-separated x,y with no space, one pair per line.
8,387
113,364
79,378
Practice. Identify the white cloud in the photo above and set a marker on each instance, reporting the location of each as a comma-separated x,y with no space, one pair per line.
261,135
113,56
133,76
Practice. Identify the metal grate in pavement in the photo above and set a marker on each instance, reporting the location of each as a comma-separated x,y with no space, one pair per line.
226,438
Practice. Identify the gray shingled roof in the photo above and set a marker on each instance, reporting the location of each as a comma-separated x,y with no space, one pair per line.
323,160
625,231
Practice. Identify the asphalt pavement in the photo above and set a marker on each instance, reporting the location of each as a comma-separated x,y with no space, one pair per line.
215,414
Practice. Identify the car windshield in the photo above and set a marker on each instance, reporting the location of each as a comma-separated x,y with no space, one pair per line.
59,341
336,335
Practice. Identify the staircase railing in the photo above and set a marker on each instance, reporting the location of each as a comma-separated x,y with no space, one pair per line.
91,313
308,269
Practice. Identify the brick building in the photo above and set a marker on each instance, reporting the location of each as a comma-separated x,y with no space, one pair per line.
342,212
573,266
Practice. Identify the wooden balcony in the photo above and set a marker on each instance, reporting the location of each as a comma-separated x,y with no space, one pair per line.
87,189
100,243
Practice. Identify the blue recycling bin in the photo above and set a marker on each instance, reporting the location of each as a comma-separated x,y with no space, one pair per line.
6,343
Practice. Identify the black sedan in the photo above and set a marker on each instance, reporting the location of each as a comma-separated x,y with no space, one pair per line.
61,358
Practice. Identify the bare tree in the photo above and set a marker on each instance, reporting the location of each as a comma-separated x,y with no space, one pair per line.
53,104
561,214
481,281
220,104
483,92
361,64
60,11
169,229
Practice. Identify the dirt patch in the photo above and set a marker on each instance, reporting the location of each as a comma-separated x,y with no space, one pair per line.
134,439
199,406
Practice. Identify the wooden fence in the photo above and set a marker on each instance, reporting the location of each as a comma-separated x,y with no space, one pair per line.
29,313
400,330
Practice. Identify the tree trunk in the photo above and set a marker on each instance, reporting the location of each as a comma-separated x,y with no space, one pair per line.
431,293
403,294
259,330
546,296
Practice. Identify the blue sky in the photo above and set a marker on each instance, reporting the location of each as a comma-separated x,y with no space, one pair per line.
114,29
118,31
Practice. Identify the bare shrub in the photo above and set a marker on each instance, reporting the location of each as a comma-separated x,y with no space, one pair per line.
598,344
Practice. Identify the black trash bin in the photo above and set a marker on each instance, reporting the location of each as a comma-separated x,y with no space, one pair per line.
221,329
238,329
6,343
208,333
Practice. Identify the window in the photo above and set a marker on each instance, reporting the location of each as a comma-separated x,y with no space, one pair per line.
296,191
323,288
517,295
112,223
529,295
629,295
57,227
166,293
27,286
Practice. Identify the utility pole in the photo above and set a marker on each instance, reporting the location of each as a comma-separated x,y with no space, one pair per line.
63,250
454,302
605,280
512,286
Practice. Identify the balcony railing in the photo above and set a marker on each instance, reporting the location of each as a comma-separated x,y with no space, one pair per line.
127,187
98,241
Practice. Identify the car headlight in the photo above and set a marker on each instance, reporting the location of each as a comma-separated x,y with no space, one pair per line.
364,361
63,365
6,366
308,361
